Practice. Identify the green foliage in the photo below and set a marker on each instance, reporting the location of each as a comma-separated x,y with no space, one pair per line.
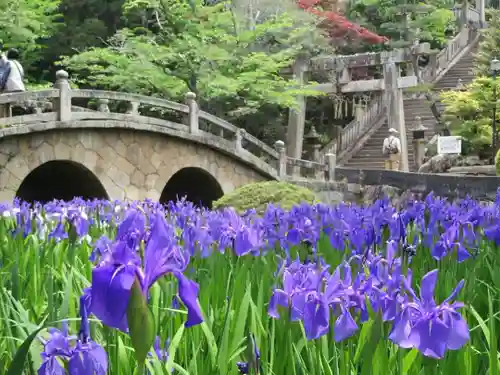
24,22
141,324
233,69
17,365
489,46
260,194
403,21
469,113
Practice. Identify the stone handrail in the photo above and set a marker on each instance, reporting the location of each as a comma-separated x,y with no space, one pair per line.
221,125
441,62
472,15
266,151
134,99
23,97
357,127
54,108
321,169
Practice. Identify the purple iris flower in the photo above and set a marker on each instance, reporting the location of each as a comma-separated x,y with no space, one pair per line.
161,353
59,232
337,293
101,247
287,298
114,277
243,367
428,327
80,354
449,240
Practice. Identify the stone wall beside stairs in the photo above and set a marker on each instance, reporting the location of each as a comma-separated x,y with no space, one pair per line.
365,186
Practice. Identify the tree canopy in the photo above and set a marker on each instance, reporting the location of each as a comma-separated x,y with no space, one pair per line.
233,54
404,21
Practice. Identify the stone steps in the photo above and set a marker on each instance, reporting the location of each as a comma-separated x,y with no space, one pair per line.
370,156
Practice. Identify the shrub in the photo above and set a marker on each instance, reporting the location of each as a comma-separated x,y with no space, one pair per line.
260,194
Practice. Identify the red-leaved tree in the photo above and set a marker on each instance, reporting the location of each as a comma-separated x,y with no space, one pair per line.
340,27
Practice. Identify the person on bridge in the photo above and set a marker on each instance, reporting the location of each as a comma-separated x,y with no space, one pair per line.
392,148
4,74
16,74
11,79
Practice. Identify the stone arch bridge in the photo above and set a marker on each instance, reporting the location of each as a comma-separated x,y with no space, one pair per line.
65,149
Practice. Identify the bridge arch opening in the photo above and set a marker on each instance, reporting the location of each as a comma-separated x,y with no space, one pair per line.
60,179
196,184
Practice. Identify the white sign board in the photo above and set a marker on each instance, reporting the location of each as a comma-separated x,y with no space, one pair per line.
449,145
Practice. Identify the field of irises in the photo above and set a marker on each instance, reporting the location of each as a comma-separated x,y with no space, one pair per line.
99,287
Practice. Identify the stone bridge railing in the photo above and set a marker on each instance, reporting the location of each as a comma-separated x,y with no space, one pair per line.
323,169
440,62
62,105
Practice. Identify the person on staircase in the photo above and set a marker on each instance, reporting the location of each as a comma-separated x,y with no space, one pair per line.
392,149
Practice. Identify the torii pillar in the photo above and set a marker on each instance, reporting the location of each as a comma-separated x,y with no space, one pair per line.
393,96
297,116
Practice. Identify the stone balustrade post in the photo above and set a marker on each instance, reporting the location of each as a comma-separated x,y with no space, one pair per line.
419,142
133,108
359,112
282,158
318,173
433,65
193,121
331,164
62,105
103,105
239,137
38,107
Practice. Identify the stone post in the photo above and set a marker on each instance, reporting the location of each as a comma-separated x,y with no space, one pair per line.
238,140
62,105
133,108
5,110
297,116
193,112
331,164
359,111
102,105
313,141
280,147
419,142
395,108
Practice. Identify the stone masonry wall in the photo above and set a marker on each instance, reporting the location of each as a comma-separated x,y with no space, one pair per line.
129,164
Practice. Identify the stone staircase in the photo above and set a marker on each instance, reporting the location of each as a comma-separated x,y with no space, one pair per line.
456,63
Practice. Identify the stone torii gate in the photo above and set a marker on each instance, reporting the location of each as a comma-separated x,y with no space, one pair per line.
391,86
